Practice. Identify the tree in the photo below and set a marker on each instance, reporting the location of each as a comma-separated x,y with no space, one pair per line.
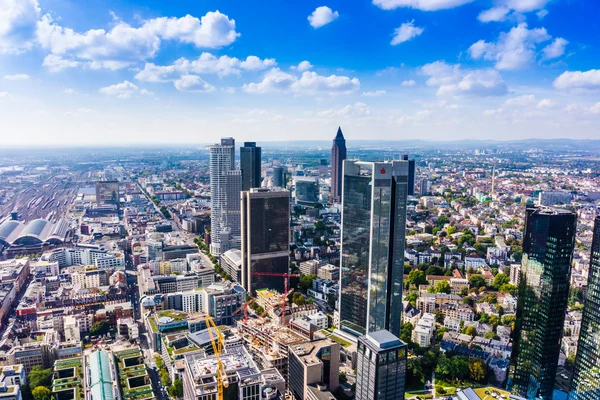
501,279
41,393
439,316
406,332
416,277
412,298
470,330
477,369
441,221
451,230
40,377
343,377
414,370
509,288
310,301
306,281
435,270
476,281
442,287
99,328
176,390
298,299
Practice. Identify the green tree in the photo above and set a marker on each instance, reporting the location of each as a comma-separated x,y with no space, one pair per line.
306,281
176,390
439,334
412,298
439,316
441,221
343,377
298,299
41,393
414,370
416,277
477,369
470,330
442,287
476,281
406,332
451,230
40,377
508,320
509,288
501,279
99,328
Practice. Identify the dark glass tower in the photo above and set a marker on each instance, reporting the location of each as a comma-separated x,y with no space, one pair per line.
265,238
373,239
381,367
548,243
250,163
338,155
411,175
586,379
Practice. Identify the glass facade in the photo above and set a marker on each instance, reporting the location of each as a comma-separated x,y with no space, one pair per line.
373,234
586,378
250,164
265,238
548,244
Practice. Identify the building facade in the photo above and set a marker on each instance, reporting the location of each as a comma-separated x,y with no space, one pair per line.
381,367
373,239
225,187
338,155
250,163
265,238
586,378
548,243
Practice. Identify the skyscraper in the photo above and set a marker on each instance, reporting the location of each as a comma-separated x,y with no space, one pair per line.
381,367
548,243
338,155
278,176
411,175
586,378
225,187
372,255
265,237
250,163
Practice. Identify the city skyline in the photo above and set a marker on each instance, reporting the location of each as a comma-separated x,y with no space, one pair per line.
144,72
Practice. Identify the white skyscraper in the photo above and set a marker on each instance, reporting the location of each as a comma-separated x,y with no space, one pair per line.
225,188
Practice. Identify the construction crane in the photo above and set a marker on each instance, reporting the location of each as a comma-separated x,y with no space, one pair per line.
286,283
217,346
244,307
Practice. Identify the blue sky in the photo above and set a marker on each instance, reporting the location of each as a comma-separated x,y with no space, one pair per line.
120,72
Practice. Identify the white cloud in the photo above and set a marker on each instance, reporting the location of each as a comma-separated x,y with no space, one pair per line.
124,45
357,109
303,66
525,5
409,83
322,16
453,80
515,49
542,13
5,96
424,5
595,109
375,93
545,103
228,90
578,80
405,32
276,80
495,14
16,77
56,63
123,90
17,25
520,101
192,83
70,91
206,63
554,49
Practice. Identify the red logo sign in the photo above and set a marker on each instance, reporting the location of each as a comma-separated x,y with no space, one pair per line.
382,171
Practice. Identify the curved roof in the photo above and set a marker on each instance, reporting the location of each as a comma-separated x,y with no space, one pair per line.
100,378
9,230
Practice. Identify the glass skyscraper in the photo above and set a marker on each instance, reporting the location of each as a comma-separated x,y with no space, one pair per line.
586,378
374,198
338,155
548,243
265,237
250,164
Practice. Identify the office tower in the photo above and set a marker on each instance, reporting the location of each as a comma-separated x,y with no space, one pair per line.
278,176
381,367
373,235
548,243
424,187
586,378
411,175
250,163
307,190
225,188
311,364
338,155
265,238
107,192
